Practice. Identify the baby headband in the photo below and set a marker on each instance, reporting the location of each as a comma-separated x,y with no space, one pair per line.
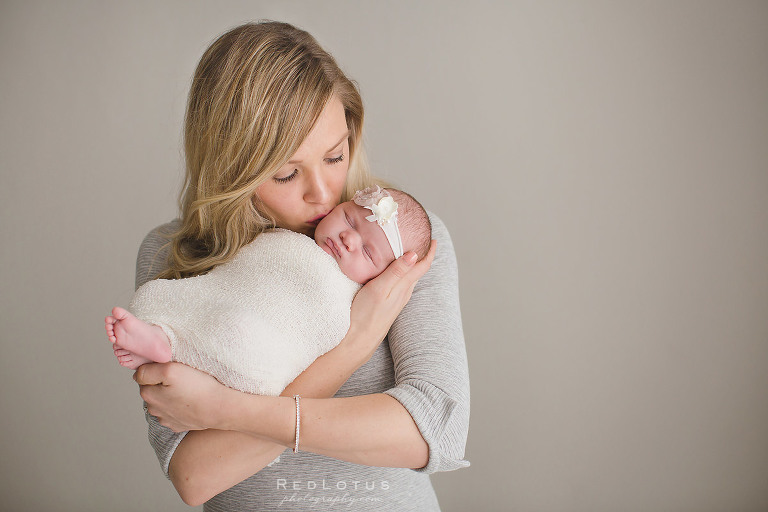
384,209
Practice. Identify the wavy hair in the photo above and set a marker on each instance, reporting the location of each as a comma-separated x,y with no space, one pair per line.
255,96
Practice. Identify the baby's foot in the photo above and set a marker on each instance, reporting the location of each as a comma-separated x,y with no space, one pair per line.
129,360
142,342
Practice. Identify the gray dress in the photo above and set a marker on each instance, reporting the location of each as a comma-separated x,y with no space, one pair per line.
422,363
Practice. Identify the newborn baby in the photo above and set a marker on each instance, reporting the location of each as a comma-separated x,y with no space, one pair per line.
257,321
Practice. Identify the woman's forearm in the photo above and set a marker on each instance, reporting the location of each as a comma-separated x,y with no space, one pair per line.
174,396
374,430
207,462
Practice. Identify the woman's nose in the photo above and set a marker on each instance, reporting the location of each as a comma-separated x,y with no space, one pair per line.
317,190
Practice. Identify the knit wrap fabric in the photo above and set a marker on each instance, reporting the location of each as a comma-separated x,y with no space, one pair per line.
259,320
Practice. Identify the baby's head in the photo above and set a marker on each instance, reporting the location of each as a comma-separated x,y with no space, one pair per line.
363,248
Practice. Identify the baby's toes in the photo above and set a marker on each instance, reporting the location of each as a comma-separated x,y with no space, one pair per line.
128,362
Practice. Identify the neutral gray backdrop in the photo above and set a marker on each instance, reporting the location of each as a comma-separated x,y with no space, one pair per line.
603,169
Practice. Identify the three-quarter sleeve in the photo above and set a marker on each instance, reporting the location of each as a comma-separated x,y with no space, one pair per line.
430,359
152,259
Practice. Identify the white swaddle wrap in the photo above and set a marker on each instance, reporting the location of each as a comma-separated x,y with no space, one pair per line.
259,320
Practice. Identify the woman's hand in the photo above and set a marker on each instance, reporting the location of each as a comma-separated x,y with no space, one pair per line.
378,303
181,397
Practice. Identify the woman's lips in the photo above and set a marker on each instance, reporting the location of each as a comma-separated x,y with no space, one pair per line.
315,221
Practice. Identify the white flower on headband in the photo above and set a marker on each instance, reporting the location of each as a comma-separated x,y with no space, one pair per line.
384,209
379,201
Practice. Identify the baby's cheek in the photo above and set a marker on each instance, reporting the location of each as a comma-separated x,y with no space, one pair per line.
351,272
366,273
373,274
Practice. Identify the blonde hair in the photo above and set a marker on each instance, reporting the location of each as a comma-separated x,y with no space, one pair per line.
255,96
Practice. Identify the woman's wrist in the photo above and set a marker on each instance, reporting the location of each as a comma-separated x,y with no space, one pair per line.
358,346
258,415
272,418
229,409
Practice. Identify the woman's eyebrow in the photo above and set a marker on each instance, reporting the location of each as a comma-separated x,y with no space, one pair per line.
346,134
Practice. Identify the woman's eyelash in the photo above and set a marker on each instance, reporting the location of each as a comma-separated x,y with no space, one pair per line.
336,160
287,178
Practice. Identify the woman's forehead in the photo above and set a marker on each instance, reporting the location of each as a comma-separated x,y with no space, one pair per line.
329,131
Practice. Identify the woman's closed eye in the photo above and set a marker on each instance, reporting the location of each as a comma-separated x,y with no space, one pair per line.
331,161
335,160
288,178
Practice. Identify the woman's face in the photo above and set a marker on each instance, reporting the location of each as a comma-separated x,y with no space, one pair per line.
307,188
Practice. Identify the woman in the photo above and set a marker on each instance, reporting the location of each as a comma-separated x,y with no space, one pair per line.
273,137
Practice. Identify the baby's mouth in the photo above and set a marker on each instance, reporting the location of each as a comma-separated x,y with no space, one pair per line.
332,247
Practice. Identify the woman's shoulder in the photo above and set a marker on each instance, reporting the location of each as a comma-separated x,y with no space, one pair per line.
439,230
153,252
160,234
445,257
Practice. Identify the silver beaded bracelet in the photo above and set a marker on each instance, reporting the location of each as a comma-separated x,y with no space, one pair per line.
298,423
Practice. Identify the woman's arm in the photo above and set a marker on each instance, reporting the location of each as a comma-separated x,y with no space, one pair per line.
429,354
186,399
374,430
207,462
201,464
429,407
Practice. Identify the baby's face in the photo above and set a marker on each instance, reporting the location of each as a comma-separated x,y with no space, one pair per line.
359,247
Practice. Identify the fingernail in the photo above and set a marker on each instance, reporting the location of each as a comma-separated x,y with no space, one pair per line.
410,258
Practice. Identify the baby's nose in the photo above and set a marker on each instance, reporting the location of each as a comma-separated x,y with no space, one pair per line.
349,239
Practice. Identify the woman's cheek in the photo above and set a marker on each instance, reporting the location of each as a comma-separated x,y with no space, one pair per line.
341,179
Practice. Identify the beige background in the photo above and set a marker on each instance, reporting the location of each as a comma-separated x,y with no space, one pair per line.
602,166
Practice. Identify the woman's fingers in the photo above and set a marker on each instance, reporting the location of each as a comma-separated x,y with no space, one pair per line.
378,303
421,267
401,266
151,374
415,272
180,396
406,268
